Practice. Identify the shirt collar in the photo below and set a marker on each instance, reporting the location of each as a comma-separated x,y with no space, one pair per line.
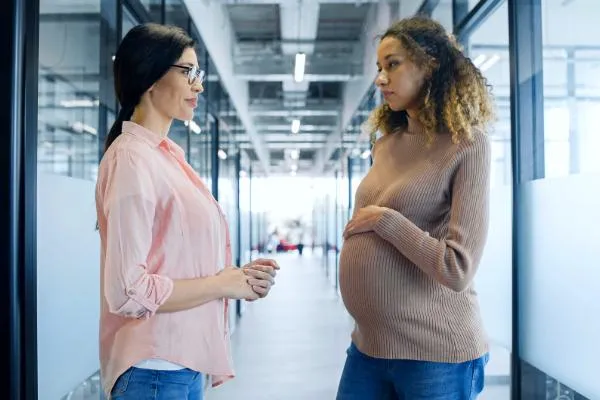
153,139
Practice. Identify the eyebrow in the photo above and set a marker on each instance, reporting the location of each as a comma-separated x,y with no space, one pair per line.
189,64
392,55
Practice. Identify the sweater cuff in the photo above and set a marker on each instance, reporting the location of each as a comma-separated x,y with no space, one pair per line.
409,239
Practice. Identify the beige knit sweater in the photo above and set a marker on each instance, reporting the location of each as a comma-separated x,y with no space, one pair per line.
408,284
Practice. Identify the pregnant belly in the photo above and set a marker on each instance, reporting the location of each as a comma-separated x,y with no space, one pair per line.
370,272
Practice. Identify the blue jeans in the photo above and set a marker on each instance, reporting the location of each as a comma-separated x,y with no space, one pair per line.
148,384
368,378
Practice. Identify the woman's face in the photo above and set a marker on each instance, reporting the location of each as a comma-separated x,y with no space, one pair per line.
173,95
399,79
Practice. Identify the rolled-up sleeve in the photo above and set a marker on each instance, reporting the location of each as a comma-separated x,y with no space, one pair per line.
129,205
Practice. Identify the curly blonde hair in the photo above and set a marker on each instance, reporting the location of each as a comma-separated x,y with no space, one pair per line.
456,97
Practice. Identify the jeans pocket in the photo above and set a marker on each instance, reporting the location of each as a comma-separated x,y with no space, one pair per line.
478,378
121,384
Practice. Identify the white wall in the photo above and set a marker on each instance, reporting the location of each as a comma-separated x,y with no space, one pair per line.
68,284
560,280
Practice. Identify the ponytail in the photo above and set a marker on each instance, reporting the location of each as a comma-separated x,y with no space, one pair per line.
124,115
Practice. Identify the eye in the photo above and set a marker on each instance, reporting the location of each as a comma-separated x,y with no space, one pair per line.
393,64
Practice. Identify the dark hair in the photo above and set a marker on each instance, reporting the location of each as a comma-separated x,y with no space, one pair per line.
456,96
145,54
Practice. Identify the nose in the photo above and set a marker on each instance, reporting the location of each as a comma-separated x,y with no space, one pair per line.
381,79
197,87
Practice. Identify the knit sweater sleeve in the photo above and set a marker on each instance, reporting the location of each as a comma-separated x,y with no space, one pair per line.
453,259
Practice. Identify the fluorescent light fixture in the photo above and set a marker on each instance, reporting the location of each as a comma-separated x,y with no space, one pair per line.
479,60
195,127
296,126
79,103
294,154
365,154
83,128
299,67
489,62
221,154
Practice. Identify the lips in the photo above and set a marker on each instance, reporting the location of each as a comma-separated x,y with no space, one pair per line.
387,93
192,102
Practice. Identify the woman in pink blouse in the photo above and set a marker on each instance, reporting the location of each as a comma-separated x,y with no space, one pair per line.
166,269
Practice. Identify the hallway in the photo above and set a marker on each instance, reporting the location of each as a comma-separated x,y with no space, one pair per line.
291,345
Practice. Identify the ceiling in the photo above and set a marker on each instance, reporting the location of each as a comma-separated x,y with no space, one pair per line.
266,39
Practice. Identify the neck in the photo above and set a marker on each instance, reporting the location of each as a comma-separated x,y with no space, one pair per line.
153,121
414,126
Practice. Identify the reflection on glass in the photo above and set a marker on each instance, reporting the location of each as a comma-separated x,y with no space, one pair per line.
69,69
571,89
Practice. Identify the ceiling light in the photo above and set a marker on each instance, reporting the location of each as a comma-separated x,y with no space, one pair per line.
296,126
194,127
489,62
299,68
80,127
479,60
221,154
294,154
294,167
365,154
79,103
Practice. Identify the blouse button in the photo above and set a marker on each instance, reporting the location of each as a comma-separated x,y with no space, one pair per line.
131,292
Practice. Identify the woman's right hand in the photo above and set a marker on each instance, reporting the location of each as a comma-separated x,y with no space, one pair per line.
235,284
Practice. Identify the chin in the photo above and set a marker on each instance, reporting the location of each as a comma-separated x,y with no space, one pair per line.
184,116
396,107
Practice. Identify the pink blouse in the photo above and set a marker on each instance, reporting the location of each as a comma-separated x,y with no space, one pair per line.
158,222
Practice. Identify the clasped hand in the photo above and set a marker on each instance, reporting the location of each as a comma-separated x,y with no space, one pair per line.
261,275
364,220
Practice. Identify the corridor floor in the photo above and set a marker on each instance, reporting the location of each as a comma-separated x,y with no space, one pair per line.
291,345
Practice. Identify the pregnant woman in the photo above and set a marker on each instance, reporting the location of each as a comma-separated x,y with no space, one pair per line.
418,230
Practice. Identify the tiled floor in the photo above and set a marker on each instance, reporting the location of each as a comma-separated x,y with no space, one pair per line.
291,346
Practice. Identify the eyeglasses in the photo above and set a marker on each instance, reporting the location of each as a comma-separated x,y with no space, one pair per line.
194,73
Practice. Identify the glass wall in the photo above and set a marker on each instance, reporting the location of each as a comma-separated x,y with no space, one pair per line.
559,302
69,87
543,158
77,106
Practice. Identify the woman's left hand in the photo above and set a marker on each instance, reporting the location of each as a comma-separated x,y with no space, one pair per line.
364,220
